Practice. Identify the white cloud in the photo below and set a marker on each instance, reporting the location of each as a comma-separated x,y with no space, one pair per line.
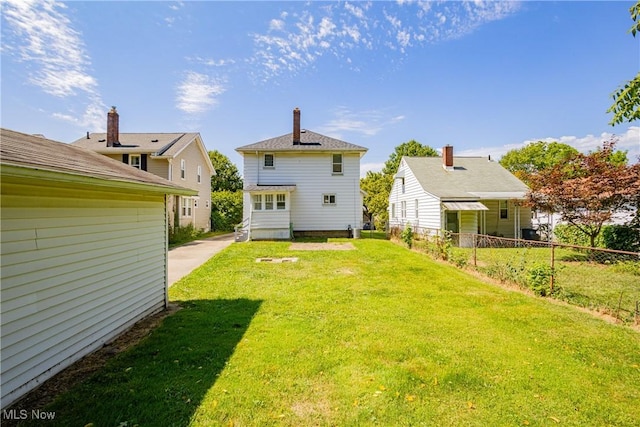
41,34
305,36
198,92
367,123
628,140
276,24
44,37
373,167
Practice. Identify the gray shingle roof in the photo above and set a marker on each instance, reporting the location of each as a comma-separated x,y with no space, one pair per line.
159,144
309,141
473,178
37,153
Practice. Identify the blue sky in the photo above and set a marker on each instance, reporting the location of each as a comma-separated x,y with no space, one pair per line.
482,76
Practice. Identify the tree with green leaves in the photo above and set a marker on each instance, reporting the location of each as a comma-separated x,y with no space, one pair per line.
587,189
410,149
626,99
534,157
378,185
227,177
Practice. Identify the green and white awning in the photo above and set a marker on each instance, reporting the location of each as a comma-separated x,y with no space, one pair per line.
464,206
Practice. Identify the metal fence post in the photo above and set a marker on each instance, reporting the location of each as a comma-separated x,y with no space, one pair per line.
553,270
475,245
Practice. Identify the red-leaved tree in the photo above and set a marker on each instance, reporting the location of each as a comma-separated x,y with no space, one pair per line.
587,189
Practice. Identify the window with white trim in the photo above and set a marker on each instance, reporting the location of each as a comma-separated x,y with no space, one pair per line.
504,209
186,206
183,169
134,160
416,206
269,160
402,184
257,202
328,199
393,210
268,202
199,174
336,160
403,209
281,202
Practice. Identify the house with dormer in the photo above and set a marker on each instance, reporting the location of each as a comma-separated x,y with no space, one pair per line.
301,184
179,157
469,195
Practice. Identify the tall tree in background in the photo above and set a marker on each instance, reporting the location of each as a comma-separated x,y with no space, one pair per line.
587,189
227,177
378,185
534,157
226,193
410,149
626,100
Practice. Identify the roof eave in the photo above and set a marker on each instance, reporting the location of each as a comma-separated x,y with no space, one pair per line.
24,172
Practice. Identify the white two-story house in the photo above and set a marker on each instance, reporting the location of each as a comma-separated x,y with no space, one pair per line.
301,184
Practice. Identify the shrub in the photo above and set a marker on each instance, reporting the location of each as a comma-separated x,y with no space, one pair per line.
539,279
184,234
407,235
226,210
621,238
570,235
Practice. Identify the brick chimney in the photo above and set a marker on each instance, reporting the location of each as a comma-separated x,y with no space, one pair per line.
296,126
113,124
447,157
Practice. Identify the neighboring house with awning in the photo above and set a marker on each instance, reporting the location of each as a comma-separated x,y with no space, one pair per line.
458,194
83,254
301,184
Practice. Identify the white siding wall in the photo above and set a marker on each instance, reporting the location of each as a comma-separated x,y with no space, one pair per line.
428,205
77,268
312,175
193,157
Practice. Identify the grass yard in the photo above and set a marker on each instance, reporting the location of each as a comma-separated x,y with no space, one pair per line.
610,288
379,335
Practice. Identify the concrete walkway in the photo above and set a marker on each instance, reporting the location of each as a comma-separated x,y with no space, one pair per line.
186,258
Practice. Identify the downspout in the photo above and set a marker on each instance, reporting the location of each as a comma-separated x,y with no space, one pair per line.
166,251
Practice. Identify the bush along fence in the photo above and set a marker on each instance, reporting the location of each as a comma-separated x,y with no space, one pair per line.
599,279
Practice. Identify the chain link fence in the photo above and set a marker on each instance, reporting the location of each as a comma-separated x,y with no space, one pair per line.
599,279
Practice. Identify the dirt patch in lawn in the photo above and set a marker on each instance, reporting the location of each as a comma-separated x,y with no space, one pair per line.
329,246
75,374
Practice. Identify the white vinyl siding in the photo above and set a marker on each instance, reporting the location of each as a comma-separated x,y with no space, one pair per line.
311,174
408,190
77,268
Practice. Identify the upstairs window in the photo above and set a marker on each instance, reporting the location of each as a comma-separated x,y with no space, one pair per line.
134,160
269,161
337,164
199,174
183,169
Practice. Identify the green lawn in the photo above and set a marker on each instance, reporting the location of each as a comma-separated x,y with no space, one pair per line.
375,336
608,287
